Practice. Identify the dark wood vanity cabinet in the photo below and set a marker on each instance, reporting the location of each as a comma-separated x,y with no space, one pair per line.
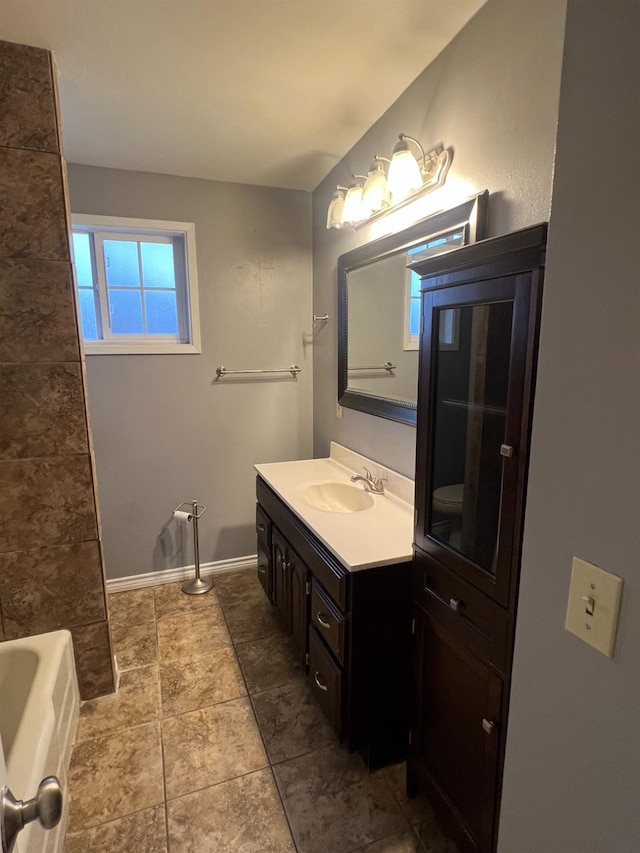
480,318
351,631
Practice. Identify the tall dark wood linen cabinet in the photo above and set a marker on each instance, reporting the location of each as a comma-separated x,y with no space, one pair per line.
480,316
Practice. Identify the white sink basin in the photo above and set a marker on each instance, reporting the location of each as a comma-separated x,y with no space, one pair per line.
336,497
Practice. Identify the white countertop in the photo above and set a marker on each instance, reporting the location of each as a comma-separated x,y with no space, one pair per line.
376,536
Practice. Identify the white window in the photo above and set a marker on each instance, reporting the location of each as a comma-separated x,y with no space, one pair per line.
137,285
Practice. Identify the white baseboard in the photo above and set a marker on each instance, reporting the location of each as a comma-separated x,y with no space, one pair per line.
181,573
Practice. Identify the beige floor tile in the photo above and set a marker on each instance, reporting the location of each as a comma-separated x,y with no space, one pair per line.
433,836
170,600
238,587
269,662
134,645
240,816
137,701
291,721
401,842
211,745
113,776
191,635
196,683
334,804
415,809
252,619
143,832
131,608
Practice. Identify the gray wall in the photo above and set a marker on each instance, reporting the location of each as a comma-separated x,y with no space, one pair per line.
164,431
572,777
492,94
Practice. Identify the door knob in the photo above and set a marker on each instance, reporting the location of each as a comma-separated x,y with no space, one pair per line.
46,807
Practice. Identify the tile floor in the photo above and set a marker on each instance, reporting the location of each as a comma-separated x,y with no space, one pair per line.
214,744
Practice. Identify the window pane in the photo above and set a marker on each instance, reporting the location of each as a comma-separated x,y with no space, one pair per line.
82,257
415,284
157,265
121,262
162,317
414,317
125,307
88,314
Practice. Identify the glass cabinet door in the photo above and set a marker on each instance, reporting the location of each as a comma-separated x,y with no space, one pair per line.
474,334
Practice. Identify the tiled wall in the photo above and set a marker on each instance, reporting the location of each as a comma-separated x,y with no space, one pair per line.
51,573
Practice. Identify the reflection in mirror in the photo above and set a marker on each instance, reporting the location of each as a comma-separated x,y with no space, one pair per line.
379,311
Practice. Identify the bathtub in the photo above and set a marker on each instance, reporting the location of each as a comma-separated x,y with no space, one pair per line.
39,705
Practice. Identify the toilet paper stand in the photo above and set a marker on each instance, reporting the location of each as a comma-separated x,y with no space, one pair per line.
195,511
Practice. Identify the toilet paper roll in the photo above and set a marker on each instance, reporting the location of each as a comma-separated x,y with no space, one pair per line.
182,515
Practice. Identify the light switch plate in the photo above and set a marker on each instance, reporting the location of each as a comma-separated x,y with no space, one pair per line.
593,589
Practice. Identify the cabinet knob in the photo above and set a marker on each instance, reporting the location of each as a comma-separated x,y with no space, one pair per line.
322,686
262,569
489,726
260,527
507,450
455,604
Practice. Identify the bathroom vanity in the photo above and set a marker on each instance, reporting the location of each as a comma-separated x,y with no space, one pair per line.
334,560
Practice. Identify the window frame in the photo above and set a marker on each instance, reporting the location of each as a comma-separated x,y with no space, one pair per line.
108,227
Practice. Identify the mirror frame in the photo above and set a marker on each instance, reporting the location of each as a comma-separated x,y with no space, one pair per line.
470,215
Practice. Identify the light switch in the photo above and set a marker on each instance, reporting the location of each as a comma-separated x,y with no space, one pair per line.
594,605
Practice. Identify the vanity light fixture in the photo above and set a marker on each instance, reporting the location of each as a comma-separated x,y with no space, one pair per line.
353,208
335,214
405,173
377,193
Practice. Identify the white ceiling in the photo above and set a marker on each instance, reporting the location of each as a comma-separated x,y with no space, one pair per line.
270,92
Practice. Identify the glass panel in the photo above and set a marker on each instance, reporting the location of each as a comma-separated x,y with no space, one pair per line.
121,263
82,258
414,317
162,317
470,414
88,314
157,265
125,307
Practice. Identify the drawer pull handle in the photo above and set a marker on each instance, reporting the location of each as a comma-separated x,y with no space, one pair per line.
488,726
261,527
321,620
322,686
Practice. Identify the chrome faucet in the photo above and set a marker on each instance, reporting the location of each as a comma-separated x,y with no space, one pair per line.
376,484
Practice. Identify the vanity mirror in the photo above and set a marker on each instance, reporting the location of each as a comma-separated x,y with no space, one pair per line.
379,310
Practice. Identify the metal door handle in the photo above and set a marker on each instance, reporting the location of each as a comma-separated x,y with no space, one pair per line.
321,620
322,686
46,807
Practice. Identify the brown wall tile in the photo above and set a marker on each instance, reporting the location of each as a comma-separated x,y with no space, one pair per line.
44,413
93,660
37,312
50,588
32,215
27,117
45,502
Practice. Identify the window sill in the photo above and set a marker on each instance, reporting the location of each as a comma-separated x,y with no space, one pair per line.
142,348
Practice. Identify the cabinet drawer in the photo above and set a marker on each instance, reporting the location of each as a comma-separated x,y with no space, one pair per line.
327,620
482,625
263,528
326,679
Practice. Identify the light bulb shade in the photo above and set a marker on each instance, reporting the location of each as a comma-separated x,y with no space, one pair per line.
335,213
353,208
375,193
404,173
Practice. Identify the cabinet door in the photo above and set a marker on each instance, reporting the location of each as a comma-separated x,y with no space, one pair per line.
300,594
456,727
281,578
472,434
